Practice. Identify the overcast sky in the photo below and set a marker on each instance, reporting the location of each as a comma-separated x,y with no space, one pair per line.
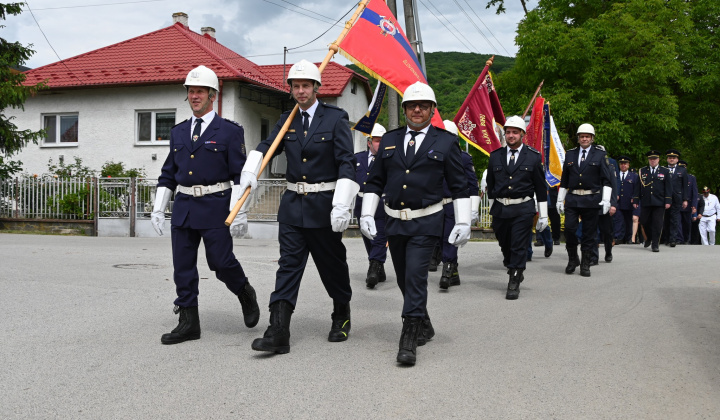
256,29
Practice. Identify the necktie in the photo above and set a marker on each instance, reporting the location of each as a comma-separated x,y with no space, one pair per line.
582,160
196,130
306,122
410,152
672,170
622,178
512,158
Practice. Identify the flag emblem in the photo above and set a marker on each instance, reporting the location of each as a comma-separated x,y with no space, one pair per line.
387,27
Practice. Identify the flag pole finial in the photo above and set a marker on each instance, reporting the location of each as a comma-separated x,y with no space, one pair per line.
490,61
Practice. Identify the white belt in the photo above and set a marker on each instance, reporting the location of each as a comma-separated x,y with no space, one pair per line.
583,192
447,201
511,201
408,214
304,187
200,190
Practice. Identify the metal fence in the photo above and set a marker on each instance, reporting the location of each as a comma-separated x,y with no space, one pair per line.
88,198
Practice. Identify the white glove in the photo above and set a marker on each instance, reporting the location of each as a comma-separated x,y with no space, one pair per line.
367,227
367,215
475,213
157,217
345,191
560,206
249,174
542,222
239,225
460,233
605,203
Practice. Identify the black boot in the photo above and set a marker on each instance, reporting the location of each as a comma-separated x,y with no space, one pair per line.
373,274
450,275
412,328
277,336
608,255
381,272
516,277
435,258
573,261
250,309
340,322
585,264
427,332
188,327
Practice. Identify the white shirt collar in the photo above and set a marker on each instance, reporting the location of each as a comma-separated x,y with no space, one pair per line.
207,118
311,110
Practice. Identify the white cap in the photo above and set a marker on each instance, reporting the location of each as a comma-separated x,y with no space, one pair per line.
304,69
586,129
419,91
516,122
451,127
378,131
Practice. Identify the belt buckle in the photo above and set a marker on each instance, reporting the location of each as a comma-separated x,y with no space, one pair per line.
197,191
405,214
300,187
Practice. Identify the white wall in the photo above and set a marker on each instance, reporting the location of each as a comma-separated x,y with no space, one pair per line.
107,119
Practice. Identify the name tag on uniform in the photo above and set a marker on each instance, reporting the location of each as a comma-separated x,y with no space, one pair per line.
389,147
292,130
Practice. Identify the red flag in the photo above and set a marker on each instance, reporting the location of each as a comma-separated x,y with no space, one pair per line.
479,113
378,45
534,136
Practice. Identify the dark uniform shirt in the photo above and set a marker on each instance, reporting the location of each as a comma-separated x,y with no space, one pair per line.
655,189
593,175
324,155
525,179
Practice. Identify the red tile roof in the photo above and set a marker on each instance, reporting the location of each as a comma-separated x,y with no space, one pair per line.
159,57
334,78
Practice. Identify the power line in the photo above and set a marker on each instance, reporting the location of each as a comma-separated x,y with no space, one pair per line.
476,27
96,5
300,13
334,24
465,44
491,33
48,41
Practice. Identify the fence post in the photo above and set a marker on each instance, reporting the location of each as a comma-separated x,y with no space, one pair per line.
96,204
17,200
133,211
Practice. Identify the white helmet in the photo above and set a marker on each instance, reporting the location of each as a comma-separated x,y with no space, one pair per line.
202,76
451,127
419,91
516,122
378,131
304,69
586,129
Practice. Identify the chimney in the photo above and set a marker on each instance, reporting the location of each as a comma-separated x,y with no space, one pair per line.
208,31
180,17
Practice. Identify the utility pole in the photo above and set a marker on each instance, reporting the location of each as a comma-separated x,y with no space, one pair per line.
393,121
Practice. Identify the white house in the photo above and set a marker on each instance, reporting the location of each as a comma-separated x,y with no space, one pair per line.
119,102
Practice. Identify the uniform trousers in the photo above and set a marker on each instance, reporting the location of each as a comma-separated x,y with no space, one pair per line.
449,251
513,235
411,258
672,224
589,227
329,254
707,226
377,247
606,231
651,218
218,251
623,224
685,223
556,228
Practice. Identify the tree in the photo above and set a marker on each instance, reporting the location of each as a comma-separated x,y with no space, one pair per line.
13,94
644,72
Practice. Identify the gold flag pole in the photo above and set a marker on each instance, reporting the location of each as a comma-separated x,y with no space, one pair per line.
333,49
533,99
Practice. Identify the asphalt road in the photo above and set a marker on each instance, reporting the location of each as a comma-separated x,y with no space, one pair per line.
82,319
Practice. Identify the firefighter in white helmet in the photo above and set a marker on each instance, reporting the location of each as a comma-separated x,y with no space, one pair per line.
315,209
207,153
444,252
376,248
514,177
410,168
585,191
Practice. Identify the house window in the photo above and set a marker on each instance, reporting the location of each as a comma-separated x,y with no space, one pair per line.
154,126
353,88
60,129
